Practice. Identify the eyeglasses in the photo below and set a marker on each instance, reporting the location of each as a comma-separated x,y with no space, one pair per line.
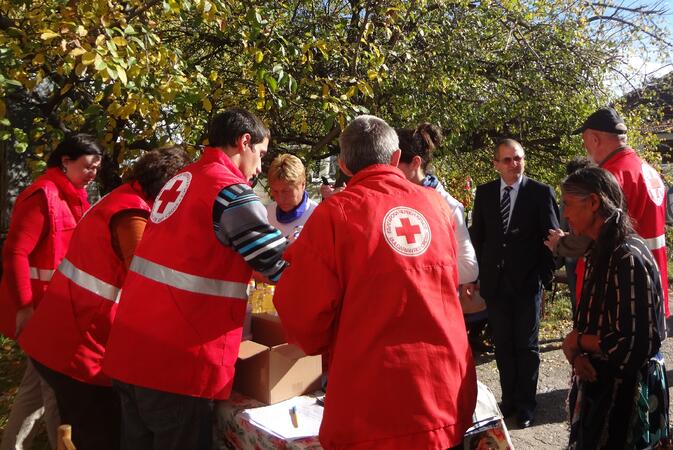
509,159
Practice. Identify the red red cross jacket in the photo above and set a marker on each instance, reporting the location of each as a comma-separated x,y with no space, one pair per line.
65,204
179,321
373,279
645,195
69,332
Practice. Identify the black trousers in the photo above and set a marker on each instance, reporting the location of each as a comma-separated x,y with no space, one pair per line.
157,420
515,325
93,411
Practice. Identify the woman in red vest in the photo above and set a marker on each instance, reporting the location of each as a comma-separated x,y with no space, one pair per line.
44,217
66,337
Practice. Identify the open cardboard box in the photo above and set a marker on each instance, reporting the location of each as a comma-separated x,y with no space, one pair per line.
271,370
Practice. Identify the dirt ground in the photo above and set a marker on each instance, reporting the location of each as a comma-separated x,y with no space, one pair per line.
550,430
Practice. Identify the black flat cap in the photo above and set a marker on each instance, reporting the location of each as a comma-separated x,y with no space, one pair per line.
605,119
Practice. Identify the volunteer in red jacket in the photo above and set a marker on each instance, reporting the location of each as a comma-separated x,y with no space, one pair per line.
373,279
604,137
43,220
175,338
66,336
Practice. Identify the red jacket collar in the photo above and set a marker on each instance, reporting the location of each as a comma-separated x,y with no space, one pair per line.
375,169
215,155
75,197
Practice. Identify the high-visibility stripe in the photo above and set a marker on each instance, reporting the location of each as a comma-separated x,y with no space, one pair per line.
188,282
655,242
89,282
41,274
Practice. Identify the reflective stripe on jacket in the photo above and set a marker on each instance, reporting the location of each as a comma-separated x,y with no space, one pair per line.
180,316
69,332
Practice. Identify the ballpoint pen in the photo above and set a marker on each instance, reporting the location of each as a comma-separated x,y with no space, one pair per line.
293,417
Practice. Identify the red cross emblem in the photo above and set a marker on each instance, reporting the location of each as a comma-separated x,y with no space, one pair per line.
408,230
169,198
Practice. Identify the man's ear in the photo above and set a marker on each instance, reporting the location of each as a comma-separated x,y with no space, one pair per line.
344,169
395,158
243,141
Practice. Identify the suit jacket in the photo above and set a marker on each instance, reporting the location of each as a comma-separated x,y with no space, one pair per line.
519,255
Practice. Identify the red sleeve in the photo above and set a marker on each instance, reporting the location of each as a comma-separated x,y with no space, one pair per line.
28,226
309,293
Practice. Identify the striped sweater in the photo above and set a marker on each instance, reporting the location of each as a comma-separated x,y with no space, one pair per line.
240,221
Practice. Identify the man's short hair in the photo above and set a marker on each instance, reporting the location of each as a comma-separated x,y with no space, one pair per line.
507,142
227,127
366,141
287,168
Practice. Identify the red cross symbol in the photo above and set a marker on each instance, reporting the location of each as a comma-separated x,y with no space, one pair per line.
169,196
408,230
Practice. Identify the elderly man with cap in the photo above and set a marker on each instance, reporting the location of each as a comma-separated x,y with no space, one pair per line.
373,280
604,136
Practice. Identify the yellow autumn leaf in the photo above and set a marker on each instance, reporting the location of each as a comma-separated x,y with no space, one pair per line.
122,74
81,31
118,40
88,58
80,69
39,59
77,51
259,56
48,35
207,105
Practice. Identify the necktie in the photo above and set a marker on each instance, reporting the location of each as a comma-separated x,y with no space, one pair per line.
504,208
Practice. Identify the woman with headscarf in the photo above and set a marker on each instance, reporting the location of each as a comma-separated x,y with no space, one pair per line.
618,397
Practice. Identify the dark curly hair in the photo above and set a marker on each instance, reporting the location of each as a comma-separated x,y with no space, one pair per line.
156,167
419,142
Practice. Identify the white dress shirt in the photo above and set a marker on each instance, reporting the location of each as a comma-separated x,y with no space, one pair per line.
512,195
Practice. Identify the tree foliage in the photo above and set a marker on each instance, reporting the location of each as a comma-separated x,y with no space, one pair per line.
141,73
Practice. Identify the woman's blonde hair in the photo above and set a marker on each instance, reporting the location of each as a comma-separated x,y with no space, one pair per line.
287,168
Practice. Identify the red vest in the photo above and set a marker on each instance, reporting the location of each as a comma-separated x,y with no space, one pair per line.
645,195
179,322
69,331
49,251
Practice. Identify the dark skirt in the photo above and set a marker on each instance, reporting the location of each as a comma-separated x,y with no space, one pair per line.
619,413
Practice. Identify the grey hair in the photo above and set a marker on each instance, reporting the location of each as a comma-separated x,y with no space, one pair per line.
366,141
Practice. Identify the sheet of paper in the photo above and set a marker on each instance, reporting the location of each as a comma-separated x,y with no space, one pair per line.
276,419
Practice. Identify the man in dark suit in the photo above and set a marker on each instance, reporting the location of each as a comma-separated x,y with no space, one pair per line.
510,221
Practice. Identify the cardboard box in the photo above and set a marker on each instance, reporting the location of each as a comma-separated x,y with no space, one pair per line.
271,370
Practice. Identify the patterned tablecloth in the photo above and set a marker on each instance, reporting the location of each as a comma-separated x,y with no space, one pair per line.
233,431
